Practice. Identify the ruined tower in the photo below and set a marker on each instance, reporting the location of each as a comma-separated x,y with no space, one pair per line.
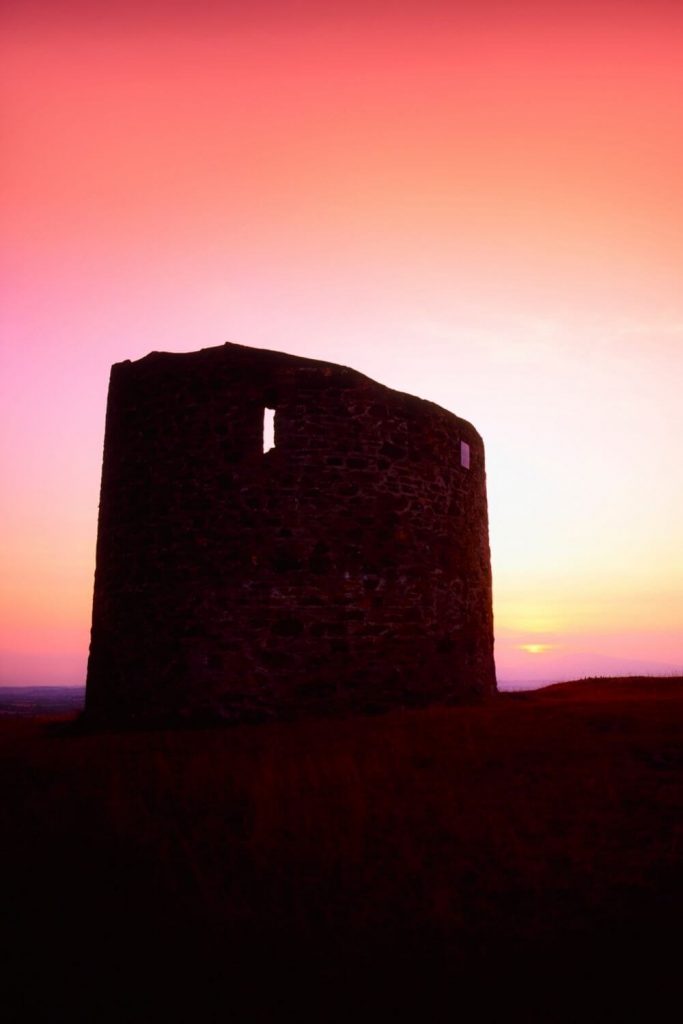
346,568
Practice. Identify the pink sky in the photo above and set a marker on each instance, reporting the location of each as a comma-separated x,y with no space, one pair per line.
477,204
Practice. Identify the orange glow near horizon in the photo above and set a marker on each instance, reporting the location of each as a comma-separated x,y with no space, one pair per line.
536,648
481,207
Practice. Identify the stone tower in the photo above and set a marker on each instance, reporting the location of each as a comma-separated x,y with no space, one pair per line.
346,568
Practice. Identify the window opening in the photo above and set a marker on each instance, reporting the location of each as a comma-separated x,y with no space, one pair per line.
268,429
464,455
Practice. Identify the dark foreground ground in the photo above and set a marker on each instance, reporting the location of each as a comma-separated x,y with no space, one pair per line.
521,861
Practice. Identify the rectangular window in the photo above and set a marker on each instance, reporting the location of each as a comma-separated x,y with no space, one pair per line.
464,455
268,429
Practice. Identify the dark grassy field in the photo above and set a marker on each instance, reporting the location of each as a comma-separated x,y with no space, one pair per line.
518,861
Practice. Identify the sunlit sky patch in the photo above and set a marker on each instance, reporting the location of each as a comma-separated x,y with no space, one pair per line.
477,204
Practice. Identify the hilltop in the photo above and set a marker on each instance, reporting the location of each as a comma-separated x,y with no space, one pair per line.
523,855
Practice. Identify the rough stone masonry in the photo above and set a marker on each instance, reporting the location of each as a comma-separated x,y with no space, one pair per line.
345,569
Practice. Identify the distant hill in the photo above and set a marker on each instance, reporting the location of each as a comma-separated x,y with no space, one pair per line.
568,667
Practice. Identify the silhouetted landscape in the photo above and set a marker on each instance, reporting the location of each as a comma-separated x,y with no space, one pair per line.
35,701
341,369
517,860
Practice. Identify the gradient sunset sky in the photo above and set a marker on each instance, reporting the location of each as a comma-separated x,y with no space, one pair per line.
480,204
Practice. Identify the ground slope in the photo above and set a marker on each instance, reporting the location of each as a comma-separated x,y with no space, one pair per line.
525,856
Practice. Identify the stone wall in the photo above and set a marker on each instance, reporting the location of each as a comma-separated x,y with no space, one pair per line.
347,568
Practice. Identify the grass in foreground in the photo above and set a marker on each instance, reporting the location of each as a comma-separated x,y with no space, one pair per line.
514,854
